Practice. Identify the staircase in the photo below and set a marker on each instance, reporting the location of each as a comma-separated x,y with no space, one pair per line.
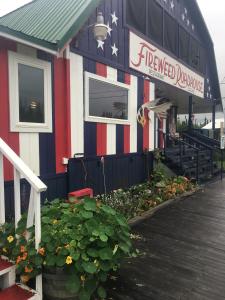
9,289
192,158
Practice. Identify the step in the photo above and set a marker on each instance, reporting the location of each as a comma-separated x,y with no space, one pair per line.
17,292
5,266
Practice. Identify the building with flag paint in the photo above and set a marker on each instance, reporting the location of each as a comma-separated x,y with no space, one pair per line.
66,92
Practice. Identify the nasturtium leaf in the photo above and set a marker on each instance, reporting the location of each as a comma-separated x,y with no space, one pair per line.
92,252
60,261
106,254
101,292
46,237
103,237
46,220
87,214
108,210
75,255
90,204
50,260
124,247
89,267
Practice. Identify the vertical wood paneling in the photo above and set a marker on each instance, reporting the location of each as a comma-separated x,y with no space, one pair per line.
146,127
140,100
133,112
101,70
77,104
152,120
111,128
60,113
29,151
11,138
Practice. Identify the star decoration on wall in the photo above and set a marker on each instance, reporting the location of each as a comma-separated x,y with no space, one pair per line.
185,11
193,27
172,5
183,17
114,18
109,29
114,50
188,22
100,44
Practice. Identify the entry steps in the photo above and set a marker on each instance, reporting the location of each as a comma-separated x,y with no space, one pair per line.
9,290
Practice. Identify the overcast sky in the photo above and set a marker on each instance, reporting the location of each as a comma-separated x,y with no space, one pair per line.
213,12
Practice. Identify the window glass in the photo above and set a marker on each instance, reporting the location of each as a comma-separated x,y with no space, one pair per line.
136,14
107,100
184,39
170,34
155,21
194,53
31,94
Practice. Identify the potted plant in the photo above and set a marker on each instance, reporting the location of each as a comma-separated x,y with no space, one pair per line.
81,244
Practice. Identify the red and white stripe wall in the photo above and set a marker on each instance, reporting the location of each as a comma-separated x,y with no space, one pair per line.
43,152
106,134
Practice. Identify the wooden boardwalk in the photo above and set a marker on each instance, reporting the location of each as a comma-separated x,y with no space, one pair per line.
183,249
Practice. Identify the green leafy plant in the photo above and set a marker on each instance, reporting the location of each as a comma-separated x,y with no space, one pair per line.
87,240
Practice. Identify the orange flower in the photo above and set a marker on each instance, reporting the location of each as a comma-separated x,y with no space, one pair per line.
22,249
28,269
24,257
41,251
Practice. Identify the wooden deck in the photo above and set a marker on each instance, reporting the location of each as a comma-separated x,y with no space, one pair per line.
184,252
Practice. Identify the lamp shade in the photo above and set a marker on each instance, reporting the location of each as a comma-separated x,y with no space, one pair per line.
100,29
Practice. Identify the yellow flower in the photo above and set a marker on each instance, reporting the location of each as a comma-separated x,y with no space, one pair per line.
10,239
82,278
69,260
4,250
55,222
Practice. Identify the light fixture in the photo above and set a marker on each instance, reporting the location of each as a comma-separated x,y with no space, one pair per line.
100,28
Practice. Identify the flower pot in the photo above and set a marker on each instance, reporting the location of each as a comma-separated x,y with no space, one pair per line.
54,285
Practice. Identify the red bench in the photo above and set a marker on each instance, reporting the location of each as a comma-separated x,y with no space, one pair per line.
76,195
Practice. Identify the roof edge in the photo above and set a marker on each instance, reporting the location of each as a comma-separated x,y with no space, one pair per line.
75,28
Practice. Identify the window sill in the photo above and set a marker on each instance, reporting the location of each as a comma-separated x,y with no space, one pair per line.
32,128
107,120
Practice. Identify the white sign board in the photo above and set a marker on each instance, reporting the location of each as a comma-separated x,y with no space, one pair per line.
149,60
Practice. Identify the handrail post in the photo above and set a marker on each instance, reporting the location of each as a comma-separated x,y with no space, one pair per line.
2,191
37,203
17,197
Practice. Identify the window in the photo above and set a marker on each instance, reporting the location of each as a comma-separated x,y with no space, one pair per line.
184,39
30,94
106,101
155,22
136,14
170,34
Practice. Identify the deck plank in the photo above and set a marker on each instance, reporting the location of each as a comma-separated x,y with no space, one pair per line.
183,252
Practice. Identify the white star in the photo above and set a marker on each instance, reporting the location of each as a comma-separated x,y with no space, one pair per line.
210,96
114,49
183,17
207,95
109,29
165,1
185,11
172,5
100,44
188,22
114,18
193,27
207,80
209,88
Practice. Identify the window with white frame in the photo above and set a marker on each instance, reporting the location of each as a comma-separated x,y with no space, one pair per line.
30,91
106,101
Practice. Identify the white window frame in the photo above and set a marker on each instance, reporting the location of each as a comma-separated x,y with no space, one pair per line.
15,125
95,119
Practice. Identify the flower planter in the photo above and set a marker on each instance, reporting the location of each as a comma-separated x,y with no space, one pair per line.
54,285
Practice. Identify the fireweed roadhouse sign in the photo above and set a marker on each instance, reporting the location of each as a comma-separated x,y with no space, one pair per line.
151,61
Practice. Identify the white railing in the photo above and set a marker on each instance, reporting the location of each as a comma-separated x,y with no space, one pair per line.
37,186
